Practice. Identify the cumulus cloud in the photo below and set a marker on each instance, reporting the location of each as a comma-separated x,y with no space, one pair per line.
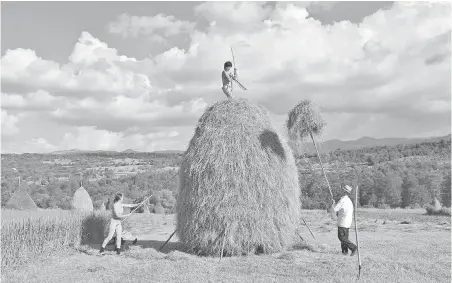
158,28
93,69
91,138
390,72
34,101
9,124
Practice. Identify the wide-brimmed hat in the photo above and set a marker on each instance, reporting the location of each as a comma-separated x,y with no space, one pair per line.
347,188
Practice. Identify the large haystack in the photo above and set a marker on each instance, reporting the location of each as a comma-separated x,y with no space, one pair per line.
21,200
238,181
82,200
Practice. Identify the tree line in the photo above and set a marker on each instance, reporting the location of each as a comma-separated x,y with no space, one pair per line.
395,176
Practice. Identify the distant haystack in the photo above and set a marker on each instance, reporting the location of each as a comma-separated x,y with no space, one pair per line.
238,184
102,207
81,200
158,209
21,200
437,204
146,208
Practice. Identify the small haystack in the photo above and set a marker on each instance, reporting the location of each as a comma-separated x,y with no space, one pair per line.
81,200
238,184
21,200
145,208
102,207
437,204
158,209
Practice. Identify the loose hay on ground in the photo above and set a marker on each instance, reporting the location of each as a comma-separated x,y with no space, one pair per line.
238,181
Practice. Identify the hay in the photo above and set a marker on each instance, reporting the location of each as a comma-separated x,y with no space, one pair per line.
102,207
304,119
145,209
21,200
82,200
158,209
238,179
437,205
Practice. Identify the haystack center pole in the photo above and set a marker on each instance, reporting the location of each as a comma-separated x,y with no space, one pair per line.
233,60
321,165
356,232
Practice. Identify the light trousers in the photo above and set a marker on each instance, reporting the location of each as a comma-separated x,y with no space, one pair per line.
115,226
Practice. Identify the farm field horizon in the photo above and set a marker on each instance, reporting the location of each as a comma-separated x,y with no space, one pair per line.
390,251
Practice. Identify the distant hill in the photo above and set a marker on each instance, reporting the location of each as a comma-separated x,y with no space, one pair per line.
329,145
130,151
169,151
78,151
369,142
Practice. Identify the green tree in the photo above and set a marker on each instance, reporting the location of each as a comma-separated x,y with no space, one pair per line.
446,191
409,187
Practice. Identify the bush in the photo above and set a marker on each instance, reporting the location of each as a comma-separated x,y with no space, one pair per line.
415,206
445,211
432,211
384,206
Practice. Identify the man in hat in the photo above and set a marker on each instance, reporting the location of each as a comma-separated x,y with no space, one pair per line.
344,213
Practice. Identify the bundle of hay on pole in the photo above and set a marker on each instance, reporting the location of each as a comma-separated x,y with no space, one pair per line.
81,200
304,119
238,184
21,200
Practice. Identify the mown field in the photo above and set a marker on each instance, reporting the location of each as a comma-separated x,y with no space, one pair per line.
419,251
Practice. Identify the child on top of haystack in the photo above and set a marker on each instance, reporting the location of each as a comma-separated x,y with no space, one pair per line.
227,77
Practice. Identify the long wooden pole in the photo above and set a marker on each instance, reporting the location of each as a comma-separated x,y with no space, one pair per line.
233,60
356,232
308,227
167,240
321,165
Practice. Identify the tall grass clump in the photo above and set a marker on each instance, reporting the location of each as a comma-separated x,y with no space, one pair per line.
25,236
238,184
431,210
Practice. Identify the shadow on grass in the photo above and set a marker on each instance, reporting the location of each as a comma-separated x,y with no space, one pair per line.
143,244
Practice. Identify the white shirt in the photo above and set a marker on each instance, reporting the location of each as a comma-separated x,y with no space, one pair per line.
118,210
345,209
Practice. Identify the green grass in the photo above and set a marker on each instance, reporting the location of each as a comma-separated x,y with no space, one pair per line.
390,252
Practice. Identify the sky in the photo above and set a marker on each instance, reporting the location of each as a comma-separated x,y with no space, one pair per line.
139,75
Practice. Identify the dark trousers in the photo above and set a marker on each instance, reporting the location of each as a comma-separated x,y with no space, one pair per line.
342,234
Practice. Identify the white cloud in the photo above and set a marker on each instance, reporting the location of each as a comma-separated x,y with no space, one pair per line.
94,69
158,27
391,71
90,138
9,124
39,145
39,100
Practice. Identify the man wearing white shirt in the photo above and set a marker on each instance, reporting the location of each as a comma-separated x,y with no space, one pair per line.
344,212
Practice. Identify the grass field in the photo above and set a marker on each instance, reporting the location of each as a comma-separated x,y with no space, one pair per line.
419,251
